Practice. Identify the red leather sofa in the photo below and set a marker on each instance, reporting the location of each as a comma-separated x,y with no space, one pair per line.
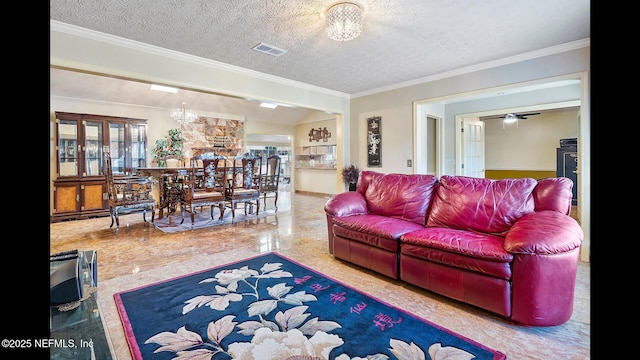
508,246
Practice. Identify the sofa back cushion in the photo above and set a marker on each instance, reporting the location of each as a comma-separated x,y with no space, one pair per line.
401,196
554,194
482,205
365,179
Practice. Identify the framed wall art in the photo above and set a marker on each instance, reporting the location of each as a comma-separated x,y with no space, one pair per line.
374,142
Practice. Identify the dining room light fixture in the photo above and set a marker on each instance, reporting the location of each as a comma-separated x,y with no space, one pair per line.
344,21
183,115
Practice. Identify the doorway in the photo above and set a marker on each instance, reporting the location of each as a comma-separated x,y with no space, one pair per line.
266,145
471,161
470,146
428,150
449,148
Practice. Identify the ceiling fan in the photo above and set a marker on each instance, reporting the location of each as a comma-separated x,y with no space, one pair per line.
510,117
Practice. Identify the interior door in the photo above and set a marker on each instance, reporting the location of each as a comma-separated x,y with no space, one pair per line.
472,142
431,144
428,150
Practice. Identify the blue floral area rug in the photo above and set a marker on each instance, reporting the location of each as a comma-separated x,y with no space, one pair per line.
271,307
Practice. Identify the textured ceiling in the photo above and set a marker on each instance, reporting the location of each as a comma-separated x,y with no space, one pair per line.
401,40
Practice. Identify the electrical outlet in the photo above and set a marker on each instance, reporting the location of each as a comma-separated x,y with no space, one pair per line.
409,163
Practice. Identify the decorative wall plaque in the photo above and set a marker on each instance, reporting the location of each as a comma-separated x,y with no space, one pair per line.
319,133
374,142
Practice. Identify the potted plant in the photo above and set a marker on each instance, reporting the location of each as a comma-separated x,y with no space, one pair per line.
169,147
350,176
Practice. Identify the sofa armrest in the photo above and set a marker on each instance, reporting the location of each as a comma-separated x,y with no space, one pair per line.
343,204
546,249
346,203
544,233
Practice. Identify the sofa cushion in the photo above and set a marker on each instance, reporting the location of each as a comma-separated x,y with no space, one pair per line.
375,230
554,194
365,179
482,205
462,242
401,196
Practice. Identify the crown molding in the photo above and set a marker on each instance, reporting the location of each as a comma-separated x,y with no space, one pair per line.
483,66
176,55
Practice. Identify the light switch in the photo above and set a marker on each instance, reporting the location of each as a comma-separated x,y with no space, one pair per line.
409,163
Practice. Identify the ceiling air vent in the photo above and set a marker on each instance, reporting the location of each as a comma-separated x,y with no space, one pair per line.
268,49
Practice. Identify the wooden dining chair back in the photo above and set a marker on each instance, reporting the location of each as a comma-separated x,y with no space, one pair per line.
205,185
271,179
127,194
245,182
173,161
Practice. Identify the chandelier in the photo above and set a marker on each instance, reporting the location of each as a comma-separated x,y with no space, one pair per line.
343,21
183,115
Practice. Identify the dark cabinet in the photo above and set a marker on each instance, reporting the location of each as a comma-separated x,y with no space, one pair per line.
79,189
567,164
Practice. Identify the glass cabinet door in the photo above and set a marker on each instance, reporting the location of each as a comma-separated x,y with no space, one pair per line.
138,136
117,147
68,148
93,148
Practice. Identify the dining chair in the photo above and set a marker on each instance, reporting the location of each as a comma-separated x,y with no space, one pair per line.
205,185
127,194
270,180
173,161
244,185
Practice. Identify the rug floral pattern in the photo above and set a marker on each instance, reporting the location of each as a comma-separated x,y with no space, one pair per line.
269,307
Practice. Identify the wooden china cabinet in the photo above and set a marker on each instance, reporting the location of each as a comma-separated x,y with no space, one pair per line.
79,189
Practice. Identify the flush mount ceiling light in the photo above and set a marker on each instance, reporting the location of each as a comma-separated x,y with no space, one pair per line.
183,115
344,21
268,105
163,88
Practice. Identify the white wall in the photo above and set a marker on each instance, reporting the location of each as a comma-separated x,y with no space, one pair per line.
396,145
258,127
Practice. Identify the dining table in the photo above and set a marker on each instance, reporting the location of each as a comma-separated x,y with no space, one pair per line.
168,192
